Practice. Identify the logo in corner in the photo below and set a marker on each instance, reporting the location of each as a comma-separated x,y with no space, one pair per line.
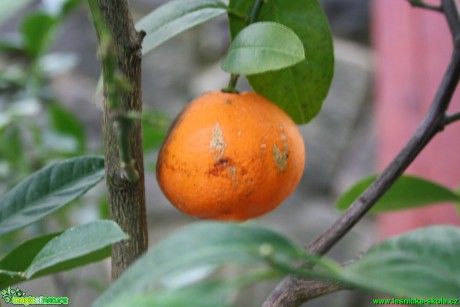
9,294
18,297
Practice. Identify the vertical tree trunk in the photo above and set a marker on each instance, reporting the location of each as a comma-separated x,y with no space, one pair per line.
126,199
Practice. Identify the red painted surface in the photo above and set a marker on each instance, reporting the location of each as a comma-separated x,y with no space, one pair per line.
413,48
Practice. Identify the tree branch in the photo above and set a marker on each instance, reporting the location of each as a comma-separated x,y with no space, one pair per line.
292,291
452,118
123,147
423,5
450,9
295,291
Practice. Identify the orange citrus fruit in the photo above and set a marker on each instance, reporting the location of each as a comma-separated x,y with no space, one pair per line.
230,156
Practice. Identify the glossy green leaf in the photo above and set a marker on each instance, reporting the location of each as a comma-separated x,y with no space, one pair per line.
9,8
74,243
48,190
262,47
64,122
407,192
20,258
175,17
67,250
201,244
36,31
300,89
424,263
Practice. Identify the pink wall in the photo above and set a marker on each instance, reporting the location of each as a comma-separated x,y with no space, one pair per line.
413,47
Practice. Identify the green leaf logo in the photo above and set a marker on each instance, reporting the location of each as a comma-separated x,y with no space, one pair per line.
9,294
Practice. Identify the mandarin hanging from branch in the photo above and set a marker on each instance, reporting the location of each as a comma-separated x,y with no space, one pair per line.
230,156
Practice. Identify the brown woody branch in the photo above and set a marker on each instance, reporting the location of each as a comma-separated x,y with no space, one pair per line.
452,118
293,291
123,147
424,5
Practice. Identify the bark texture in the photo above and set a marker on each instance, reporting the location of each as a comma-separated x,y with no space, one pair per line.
126,199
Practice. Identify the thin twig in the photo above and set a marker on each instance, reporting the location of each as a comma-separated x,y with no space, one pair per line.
292,291
431,124
423,5
452,118
450,8
297,291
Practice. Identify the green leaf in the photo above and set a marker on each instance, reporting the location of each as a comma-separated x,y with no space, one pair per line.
61,8
175,17
11,144
154,128
201,244
11,44
67,250
424,263
201,295
74,243
457,191
212,293
20,258
300,89
152,137
69,6
66,123
407,192
9,8
262,47
48,190
36,31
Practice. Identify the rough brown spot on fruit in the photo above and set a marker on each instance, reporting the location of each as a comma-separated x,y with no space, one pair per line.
217,144
281,156
219,166
232,171
228,101
223,161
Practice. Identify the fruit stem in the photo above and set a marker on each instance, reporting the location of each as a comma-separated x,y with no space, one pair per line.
231,87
